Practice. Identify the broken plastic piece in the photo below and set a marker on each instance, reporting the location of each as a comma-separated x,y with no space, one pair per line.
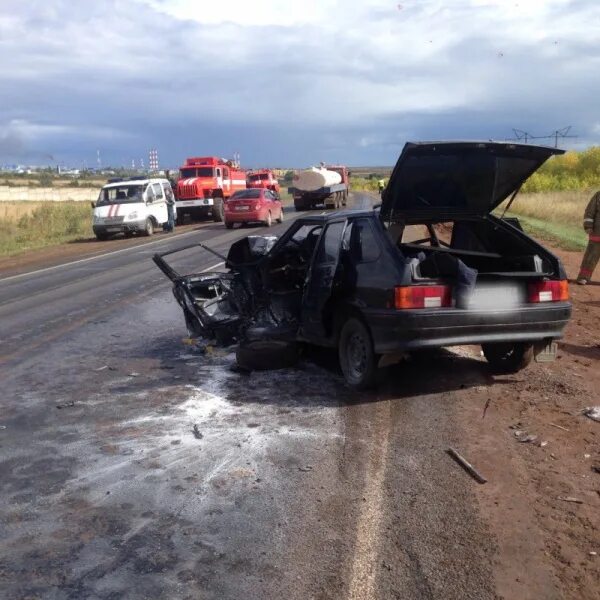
592,412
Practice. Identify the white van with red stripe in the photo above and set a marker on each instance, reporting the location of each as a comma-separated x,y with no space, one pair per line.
131,206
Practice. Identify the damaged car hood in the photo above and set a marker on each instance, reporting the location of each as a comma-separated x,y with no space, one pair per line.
449,179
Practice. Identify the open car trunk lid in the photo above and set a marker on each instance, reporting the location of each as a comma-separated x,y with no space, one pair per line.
454,179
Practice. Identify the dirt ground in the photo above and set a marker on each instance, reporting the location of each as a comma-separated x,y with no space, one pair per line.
532,523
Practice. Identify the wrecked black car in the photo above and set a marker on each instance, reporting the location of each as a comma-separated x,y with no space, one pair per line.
432,267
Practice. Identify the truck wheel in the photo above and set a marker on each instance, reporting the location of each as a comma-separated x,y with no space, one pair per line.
357,356
269,220
508,357
217,211
149,228
344,198
102,237
228,225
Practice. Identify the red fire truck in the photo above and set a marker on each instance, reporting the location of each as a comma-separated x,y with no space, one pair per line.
204,182
263,178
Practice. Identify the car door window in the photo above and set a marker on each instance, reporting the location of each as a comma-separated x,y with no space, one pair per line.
329,247
150,196
361,242
158,192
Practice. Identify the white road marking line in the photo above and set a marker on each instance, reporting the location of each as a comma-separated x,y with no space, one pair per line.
366,546
104,255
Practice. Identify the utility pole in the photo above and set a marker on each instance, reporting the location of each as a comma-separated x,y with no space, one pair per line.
98,160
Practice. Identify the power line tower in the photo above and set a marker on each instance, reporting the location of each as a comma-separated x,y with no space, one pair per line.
522,136
98,159
153,159
561,133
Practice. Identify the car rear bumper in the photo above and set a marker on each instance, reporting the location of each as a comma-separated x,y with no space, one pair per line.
246,216
395,330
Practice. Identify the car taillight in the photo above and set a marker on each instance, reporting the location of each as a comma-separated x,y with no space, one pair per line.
422,296
548,291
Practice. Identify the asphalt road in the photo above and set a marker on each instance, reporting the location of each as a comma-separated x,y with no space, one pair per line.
291,486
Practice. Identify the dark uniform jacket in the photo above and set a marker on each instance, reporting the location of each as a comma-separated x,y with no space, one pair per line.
591,218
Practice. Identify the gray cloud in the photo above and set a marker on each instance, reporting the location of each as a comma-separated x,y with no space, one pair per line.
122,77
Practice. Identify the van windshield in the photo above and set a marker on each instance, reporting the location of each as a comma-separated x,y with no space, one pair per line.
259,177
197,172
121,194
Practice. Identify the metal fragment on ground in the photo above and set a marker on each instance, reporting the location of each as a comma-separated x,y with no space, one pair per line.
467,466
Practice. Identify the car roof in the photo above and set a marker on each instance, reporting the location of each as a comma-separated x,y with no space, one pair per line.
141,181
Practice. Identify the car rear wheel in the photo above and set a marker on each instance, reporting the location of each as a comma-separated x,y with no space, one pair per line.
269,220
508,357
149,227
357,356
228,225
280,220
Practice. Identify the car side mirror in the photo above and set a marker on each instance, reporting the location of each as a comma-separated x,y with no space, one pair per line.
93,205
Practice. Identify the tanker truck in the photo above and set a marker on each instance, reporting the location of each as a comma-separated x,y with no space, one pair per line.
327,185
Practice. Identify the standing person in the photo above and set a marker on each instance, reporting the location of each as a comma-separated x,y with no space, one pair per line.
170,198
591,224
381,186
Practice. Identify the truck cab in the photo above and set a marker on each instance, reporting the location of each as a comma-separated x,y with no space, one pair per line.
264,179
131,206
204,183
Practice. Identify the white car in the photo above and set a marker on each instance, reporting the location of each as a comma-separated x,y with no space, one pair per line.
132,206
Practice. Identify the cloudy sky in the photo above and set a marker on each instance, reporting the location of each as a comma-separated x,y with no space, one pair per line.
289,83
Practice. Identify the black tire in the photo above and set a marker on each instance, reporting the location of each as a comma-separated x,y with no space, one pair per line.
344,198
217,211
102,237
357,356
280,220
149,227
267,355
269,220
298,208
228,225
508,357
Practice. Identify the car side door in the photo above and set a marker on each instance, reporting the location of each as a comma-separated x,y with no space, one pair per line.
159,206
320,281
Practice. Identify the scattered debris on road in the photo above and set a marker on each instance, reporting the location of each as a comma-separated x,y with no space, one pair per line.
558,426
305,469
487,405
66,404
525,438
570,499
134,374
467,466
197,433
103,368
592,412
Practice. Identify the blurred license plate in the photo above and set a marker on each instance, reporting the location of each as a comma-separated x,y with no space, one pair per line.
545,352
242,208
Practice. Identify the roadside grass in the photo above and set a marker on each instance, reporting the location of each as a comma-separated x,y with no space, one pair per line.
32,225
554,216
362,184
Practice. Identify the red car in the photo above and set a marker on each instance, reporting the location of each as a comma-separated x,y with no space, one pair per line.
253,206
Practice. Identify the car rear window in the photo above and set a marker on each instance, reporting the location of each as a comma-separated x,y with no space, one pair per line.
246,194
